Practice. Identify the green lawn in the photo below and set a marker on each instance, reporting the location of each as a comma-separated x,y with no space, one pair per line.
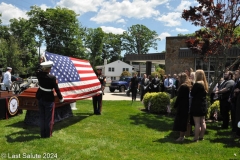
123,131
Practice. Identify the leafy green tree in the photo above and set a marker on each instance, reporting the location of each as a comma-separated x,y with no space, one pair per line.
94,43
219,20
25,37
186,35
60,30
139,39
112,47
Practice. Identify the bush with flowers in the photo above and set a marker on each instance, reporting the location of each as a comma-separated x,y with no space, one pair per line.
214,111
156,102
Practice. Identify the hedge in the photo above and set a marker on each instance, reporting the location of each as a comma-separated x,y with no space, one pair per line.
156,102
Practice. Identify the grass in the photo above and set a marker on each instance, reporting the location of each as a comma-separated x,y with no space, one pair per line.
123,131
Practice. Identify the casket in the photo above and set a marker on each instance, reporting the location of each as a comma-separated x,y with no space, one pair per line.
28,101
5,94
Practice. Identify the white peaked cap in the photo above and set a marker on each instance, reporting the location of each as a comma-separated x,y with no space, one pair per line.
8,68
47,64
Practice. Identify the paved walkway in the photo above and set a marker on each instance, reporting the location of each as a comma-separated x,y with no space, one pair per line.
116,95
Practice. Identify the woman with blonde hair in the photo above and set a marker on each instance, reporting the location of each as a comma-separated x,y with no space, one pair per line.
198,107
182,105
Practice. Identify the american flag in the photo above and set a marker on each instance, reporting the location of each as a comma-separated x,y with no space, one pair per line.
76,78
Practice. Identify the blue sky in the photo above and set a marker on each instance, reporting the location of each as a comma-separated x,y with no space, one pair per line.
116,16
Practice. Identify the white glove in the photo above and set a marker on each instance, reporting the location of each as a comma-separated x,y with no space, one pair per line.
62,100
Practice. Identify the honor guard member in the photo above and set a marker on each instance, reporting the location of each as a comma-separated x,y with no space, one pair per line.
7,79
45,96
97,100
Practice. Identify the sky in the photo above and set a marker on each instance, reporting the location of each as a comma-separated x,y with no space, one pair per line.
116,16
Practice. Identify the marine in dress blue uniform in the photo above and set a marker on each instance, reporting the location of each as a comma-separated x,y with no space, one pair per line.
97,100
45,96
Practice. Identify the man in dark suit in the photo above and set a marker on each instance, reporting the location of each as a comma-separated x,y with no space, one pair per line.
156,83
134,86
224,92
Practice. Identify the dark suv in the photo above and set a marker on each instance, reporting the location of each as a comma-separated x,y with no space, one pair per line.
121,84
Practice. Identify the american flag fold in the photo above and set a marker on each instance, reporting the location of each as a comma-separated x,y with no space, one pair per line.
76,78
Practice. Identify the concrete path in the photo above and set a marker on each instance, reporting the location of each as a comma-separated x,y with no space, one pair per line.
116,95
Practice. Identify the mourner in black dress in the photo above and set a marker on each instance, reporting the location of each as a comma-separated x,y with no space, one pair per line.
45,96
198,107
182,105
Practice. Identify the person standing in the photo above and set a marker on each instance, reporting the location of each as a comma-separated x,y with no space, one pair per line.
237,105
223,94
156,83
168,85
7,79
232,99
182,105
144,83
97,99
134,86
198,107
45,96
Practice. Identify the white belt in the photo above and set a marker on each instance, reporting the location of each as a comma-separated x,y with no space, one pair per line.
44,89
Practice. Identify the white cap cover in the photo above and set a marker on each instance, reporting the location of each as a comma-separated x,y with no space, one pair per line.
47,64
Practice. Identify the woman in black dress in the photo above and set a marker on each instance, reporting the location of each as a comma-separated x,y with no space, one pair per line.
198,107
182,105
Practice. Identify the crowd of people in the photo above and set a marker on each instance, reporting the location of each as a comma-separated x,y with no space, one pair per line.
191,102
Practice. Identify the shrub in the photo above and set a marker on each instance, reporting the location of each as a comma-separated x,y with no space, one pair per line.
172,102
156,102
146,99
214,108
125,74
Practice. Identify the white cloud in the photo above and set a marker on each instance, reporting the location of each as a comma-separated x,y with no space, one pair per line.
112,30
10,11
113,10
81,6
44,7
181,30
171,19
184,5
121,21
163,35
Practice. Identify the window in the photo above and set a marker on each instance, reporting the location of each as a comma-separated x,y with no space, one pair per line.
127,69
109,69
113,78
112,69
123,69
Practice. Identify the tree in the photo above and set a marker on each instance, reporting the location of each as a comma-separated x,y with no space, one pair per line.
219,20
139,39
21,30
94,43
112,45
60,29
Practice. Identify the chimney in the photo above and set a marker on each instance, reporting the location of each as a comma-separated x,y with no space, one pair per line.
105,62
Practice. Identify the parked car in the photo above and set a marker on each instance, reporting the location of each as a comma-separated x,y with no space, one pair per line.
16,78
121,84
32,79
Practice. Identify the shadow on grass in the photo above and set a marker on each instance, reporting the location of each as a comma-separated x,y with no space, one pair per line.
153,121
30,132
